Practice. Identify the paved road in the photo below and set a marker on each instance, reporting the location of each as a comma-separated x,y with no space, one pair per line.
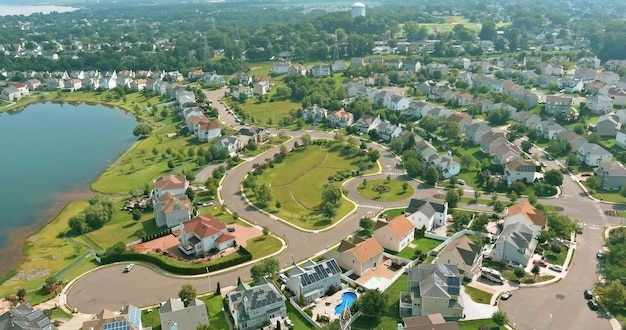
529,308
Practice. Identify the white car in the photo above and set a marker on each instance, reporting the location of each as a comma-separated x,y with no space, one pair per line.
556,268
513,264
128,268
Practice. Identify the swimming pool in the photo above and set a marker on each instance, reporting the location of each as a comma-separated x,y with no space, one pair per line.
347,298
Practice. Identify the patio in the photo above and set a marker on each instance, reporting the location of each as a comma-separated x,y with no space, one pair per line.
326,305
378,277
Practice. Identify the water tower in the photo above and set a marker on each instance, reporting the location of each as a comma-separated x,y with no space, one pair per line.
358,9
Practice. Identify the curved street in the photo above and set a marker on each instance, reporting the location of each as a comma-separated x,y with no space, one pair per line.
558,306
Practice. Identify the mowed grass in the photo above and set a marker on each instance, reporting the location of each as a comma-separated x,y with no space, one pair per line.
478,296
296,183
217,319
395,193
266,112
138,166
391,314
476,324
50,251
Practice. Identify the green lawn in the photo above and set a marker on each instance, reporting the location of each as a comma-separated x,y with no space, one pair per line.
49,251
476,324
391,191
555,258
478,296
394,212
217,319
299,322
151,319
426,244
58,313
262,246
290,182
609,196
391,314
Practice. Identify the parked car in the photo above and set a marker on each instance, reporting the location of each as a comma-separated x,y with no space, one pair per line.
230,229
128,268
461,182
556,268
283,278
506,295
579,230
540,262
513,264
588,294
600,254
593,305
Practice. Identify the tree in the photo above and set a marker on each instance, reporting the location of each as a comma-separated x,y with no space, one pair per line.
413,167
263,195
373,155
452,130
50,284
535,270
405,186
432,175
306,140
218,289
372,303
500,318
170,164
526,145
367,224
452,197
187,293
267,267
266,231
136,214
532,199
593,183
477,195
553,177
142,130
21,294
498,207
429,124
613,295
488,31
513,196
331,193
396,145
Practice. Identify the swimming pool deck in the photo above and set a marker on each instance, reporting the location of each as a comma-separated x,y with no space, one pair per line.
326,305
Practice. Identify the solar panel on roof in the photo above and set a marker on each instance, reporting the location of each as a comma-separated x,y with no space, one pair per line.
34,315
43,323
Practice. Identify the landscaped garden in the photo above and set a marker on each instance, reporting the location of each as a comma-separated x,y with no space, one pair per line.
385,190
477,295
303,186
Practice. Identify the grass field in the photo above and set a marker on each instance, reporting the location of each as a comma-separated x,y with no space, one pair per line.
478,296
291,180
266,112
395,191
49,250
476,324
217,319
451,21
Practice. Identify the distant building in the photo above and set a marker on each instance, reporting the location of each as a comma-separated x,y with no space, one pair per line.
358,9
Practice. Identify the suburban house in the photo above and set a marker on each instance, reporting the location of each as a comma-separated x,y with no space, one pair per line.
25,317
548,129
174,315
171,205
433,288
519,170
593,154
230,143
445,164
11,94
596,87
207,131
338,66
515,243
394,234
242,92
491,140
281,67
608,125
427,322
424,149
398,102
394,63
257,134
212,78
367,123
526,118
527,215
321,70
33,84
475,131
412,65
129,318
314,114
505,153
574,85
620,138
590,62
460,118
424,213
356,62
314,279
340,118
204,234
573,140
388,131
360,256
463,254
600,103
612,175
558,105
257,306
261,87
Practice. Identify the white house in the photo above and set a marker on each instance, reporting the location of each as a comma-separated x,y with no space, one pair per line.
313,279
427,214
394,234
515,243
463,254
340,118
367,123
204,233
253,307
593,154
360,256
208,131
321,70
314,114
281,67
525,213
519,170
599,104
230,143
240,92
169,202
432,289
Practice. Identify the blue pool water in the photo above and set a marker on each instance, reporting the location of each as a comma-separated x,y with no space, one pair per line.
346,301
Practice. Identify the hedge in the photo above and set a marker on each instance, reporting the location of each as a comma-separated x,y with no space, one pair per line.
167,264
156,235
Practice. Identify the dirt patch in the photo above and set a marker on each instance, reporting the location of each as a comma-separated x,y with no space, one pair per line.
29,275
559,209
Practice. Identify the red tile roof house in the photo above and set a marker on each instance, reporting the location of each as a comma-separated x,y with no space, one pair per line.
204,233
395,234
208,131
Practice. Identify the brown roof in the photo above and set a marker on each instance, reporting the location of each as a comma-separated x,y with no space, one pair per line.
526,165
173,202
429,322
534,215
209,125
170,182
366,249
197,119
204,226
400,226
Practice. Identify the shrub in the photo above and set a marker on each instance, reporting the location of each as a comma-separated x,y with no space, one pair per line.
308,311
556,248
519,272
